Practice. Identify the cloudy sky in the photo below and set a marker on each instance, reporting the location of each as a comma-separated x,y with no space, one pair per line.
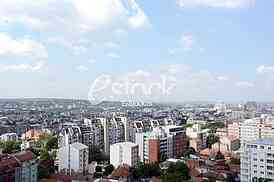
185,50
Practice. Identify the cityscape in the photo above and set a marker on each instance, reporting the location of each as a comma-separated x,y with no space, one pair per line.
136,91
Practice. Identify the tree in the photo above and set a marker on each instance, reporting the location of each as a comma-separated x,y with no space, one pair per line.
10,146
143,170
235,161
98,169
108,170
176,173
52,143
43,172
188,152
163,157
211,139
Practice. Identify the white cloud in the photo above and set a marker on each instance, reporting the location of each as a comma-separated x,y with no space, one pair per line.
222,78
92,61
112,45
142,73
215,3
77,47
244,84
265,69
82,68
187,41
21,47
177,68
73,15
22,67
113,55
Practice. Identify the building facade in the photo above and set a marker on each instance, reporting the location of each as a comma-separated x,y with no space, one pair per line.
257,160
124,153
73,158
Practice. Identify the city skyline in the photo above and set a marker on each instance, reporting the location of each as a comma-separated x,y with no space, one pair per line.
210,50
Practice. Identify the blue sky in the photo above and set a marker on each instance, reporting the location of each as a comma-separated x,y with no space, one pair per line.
207,49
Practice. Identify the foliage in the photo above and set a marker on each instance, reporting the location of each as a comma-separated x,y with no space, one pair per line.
213,126
9,147
97,155
46,145
235,161
188,152
98,169
143,170
211,139
176,173
163,157
108,170
43,172
48,142
189,125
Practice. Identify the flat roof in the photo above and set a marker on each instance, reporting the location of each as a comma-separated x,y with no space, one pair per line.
263,141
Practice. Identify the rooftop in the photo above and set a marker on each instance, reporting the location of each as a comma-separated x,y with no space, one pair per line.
264,141
79,146
128,144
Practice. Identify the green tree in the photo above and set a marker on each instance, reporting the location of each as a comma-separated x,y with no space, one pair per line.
235,161
163,157
9,147
143,170
211,139
176,173
108,170
98,169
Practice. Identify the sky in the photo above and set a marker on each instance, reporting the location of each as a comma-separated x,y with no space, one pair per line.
164,50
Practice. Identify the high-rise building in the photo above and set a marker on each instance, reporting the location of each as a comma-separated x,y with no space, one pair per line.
168,141
124,153
233,129
257,160
73,158
256,128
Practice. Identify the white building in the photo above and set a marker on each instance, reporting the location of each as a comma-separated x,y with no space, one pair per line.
124,153
257,160
169,141
197,136
256,128
73,158
9,137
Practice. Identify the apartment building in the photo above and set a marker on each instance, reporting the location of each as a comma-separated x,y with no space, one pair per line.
18,167
257,160
256,128
124,153
168,141
197,137
73,158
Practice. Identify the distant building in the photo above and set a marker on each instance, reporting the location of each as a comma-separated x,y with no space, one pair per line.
9,137
19,167
233,129
227,144
73,158
33,134
257,159
256,128
197,137
124,153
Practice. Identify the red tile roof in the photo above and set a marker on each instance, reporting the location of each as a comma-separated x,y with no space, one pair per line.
121,171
